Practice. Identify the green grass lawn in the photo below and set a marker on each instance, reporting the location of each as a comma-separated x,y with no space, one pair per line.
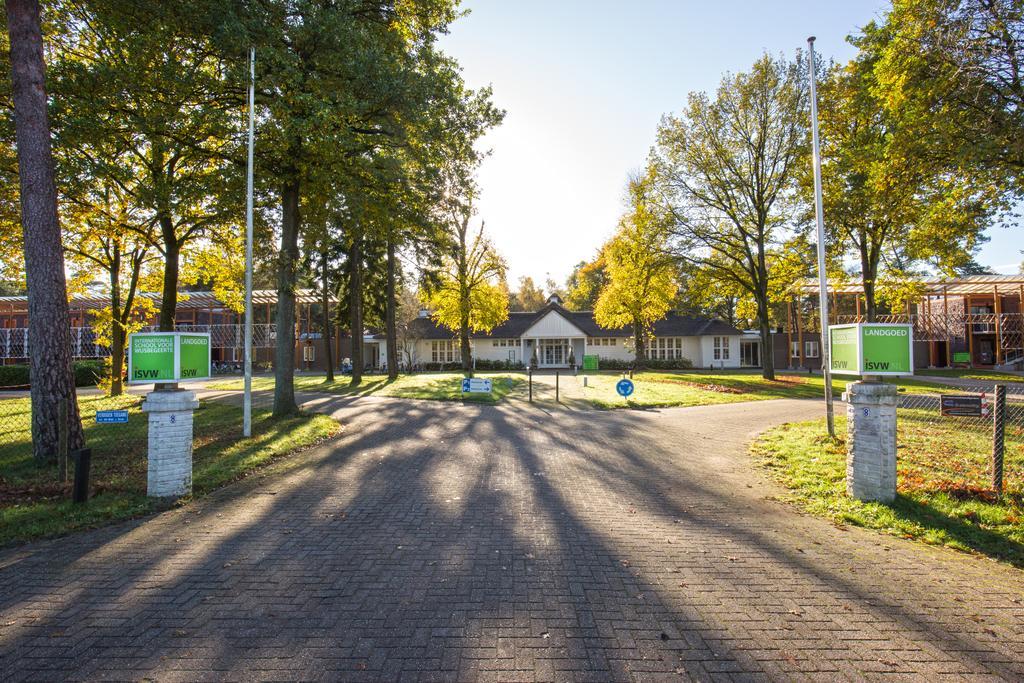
709,387
436,386
34,503
943,494
966,373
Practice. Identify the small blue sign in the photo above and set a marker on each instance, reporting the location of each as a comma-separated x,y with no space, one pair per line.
624,387
473,385
111,416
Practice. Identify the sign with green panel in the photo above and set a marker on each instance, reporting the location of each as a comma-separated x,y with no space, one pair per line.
590,362
162,357
193,356
961,357
871,349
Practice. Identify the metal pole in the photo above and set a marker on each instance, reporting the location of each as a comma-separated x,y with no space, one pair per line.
998,438
826,351
247,399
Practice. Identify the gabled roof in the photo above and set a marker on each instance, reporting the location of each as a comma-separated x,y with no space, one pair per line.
970,284
672,325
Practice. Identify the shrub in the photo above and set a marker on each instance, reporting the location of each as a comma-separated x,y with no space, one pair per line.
435,367
13,376
650,364
498,365
87,374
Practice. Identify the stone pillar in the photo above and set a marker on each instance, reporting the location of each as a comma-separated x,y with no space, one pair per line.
170,442
871,441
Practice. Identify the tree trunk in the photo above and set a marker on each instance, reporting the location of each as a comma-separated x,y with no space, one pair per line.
284,352
325,303
117,339
49,321
390,331
172,259
640,342
764,323
464,349
355,305
116,331
869,271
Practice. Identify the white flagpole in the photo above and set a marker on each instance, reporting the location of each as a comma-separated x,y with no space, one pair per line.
247,399
826,352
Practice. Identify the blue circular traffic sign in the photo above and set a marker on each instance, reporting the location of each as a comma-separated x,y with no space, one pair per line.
624,387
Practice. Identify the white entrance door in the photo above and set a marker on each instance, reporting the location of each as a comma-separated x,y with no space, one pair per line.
554,353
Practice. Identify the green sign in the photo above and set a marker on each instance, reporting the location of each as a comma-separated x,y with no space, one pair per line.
161,357
961,357
871,349
590,362
194,356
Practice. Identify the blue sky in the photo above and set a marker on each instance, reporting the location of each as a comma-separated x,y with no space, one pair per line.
584,84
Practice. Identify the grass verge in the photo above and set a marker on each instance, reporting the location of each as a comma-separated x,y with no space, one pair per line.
432,386
710,387
942,483
966,373
34,503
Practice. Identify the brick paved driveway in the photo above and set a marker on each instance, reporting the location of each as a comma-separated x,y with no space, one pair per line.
458,542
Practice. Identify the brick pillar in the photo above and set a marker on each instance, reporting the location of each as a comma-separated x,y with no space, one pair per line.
170,442
871,441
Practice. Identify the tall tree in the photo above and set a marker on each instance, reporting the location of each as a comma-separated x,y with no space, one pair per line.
585,283
106,237
529,297
727,168
952,69
466,297
641,270
145,80
889,202
49,319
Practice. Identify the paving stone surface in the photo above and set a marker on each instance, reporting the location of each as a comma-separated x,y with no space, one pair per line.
447,542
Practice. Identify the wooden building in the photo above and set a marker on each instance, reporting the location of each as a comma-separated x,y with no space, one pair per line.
973,321
197,312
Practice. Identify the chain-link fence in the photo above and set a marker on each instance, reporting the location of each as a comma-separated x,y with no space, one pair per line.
114,428
959,439
116,431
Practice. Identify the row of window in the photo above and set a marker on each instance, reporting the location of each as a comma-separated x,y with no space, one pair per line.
721,348
665,348
810,349
444,351
660,348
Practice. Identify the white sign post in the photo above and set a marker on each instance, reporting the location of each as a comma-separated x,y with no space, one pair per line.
474,385
168,358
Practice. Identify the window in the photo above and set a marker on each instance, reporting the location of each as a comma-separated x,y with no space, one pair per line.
667,348
721,346
810,349
613,341
794,349
443,351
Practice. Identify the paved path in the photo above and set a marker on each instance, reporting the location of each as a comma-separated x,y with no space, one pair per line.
440,541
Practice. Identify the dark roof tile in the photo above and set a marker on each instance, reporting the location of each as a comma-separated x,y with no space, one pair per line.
672,325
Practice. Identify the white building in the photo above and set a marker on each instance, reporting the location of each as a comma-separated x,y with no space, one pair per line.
558,336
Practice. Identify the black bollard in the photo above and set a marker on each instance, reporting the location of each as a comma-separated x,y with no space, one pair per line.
83,462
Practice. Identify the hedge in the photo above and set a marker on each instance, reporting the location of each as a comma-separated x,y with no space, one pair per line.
87,373
498,365
650,364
